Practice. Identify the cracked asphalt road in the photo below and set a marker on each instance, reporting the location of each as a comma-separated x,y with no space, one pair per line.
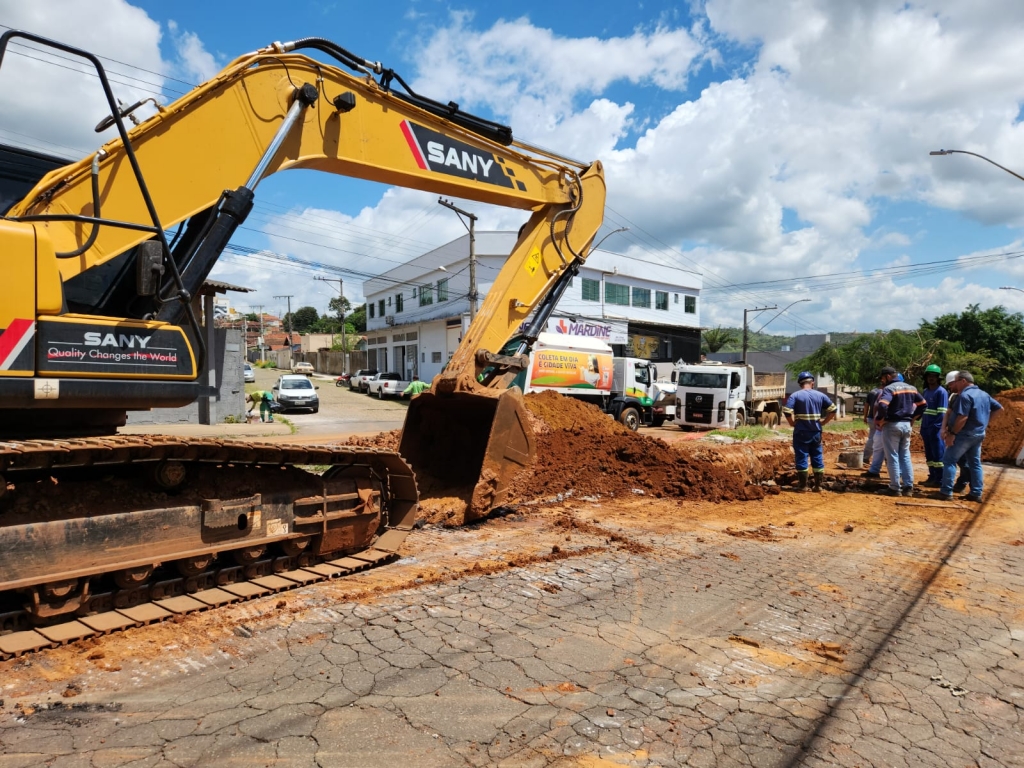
660,634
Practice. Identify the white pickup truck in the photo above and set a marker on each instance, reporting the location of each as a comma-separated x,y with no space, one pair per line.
386,385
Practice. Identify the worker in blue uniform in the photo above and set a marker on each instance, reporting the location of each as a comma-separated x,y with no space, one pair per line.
936,402
807,411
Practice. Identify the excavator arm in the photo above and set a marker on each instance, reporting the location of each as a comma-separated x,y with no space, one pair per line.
107,287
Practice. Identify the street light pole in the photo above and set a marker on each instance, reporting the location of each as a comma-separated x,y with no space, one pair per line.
613,232
798,301
1010,288
341,314
975,154
758,310
471,228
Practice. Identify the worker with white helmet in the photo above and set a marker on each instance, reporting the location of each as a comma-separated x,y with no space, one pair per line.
961,482
807,411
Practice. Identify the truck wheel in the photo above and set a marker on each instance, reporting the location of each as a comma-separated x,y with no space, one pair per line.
773,420
764,419
741,419
657,421
686,427
380,393
630,418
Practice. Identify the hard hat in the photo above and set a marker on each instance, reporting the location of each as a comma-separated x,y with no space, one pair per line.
933,369
951,376
804,376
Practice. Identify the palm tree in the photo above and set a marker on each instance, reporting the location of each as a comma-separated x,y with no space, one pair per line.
714,339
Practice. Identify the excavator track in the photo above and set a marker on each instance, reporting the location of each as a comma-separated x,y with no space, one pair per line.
103,534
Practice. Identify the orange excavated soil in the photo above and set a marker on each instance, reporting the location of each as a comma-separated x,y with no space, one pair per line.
583,451
1005,433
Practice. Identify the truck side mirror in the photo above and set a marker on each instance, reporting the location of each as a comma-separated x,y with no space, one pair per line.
149,267
673,377
735,381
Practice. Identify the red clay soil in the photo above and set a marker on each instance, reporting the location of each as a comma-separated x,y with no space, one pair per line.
582,451
1005,434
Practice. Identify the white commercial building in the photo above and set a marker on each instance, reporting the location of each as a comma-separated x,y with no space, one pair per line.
416,313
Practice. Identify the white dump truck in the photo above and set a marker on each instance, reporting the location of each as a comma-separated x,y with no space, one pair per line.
586,369
724,396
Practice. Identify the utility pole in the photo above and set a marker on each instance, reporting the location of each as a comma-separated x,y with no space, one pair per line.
471,228
341,313
261,345
289,317
745,311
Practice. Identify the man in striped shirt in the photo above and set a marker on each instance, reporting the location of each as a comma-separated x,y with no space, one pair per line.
936,401
897,407
807,411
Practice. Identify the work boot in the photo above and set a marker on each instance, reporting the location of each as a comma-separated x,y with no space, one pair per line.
801,481
816,479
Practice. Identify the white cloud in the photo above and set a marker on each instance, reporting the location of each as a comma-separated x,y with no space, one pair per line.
194,61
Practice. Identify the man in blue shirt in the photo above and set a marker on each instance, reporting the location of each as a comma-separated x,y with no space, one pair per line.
869,419
807,411
936,400
965,430
897,406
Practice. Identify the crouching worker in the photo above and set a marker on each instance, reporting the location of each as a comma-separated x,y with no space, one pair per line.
807,411
264,399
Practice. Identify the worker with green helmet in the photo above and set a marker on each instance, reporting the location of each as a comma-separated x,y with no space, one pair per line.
936,402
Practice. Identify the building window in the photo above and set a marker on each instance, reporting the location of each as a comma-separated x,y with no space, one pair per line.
690,305
398,302
414,294
677,297
380,307
661,300
642,297
435,357
442,290
616,294
426,295
369,307
591,289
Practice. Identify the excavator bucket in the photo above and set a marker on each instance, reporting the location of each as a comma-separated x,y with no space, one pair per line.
470,443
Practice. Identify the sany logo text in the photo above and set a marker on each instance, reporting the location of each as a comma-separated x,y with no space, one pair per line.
122,341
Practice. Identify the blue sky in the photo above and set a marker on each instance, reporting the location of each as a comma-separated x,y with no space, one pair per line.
749,139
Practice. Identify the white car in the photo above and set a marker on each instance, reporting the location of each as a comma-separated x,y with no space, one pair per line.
248,373
306,368
296,391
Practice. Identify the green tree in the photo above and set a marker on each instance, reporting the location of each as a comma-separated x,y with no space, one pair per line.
714,339
302,319
858,362
992,334
357,318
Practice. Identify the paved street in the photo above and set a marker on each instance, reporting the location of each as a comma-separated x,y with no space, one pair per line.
631,633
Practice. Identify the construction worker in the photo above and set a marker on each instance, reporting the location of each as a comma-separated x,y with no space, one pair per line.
415,387
807,411
936,402
965,431
961,482
869,419
897,407
264,398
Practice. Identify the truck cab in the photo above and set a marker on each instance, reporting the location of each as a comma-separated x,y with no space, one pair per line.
710,395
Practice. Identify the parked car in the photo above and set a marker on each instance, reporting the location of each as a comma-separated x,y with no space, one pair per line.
386,385
295,390
306,368
248,373
360,378
342,381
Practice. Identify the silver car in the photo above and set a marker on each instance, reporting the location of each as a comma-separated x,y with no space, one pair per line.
248,374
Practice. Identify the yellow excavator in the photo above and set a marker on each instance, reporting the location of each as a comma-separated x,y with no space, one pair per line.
103,259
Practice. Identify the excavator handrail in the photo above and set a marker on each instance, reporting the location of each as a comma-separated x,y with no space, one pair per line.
156,229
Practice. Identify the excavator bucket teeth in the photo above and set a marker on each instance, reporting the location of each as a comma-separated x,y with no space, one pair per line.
466,441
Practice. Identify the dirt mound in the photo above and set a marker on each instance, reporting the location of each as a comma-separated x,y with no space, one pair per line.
1005,433
387,441
581,451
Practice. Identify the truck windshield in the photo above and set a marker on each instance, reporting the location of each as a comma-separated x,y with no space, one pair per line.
703,380
643,374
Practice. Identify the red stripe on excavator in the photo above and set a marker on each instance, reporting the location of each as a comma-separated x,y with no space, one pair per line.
414,146
13,340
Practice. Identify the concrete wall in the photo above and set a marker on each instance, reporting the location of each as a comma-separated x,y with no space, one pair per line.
230,399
